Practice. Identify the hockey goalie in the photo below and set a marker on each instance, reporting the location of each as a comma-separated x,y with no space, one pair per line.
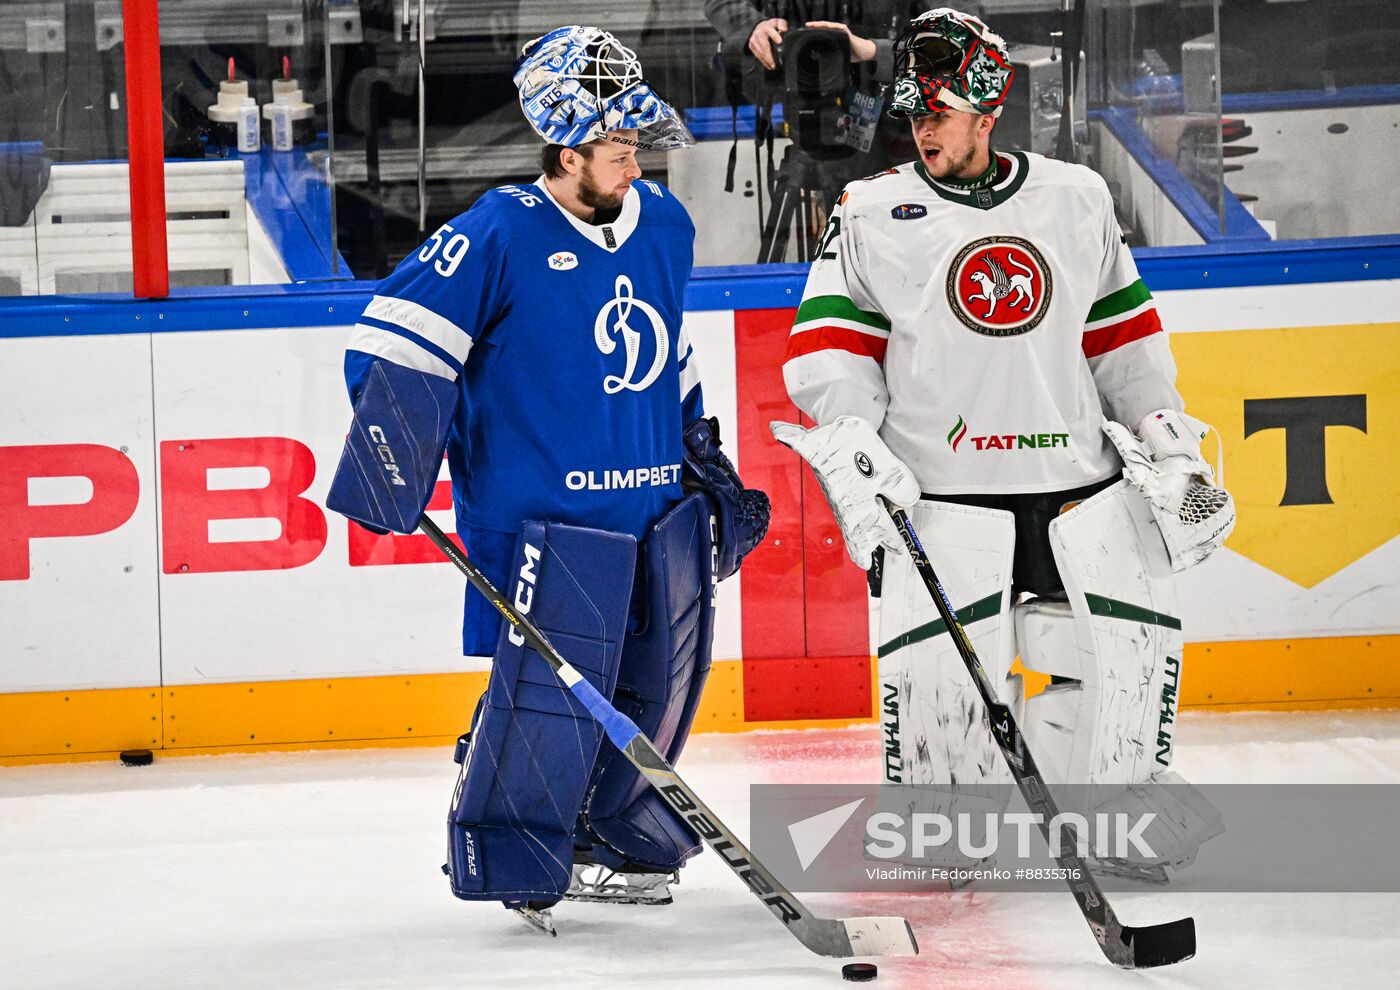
976,326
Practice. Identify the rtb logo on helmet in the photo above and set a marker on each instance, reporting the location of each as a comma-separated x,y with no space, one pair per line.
386,454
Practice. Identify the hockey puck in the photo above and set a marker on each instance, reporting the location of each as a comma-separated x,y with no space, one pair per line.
859,972
136,757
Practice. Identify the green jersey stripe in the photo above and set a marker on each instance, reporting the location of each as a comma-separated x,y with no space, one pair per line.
1126,298
838,307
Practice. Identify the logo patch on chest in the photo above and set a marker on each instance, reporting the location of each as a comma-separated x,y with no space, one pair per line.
999,286
562,261
909,211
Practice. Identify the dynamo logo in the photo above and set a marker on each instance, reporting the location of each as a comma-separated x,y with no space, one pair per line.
613,320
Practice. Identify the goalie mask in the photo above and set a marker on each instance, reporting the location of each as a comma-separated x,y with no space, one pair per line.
948,60
578,83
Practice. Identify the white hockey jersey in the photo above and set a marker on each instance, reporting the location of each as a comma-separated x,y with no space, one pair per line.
985,332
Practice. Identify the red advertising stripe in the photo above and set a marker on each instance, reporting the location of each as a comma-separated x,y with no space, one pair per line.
771,589
1110,338
836,339
805,617
798,688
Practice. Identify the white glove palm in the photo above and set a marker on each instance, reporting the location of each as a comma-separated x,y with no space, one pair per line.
1193,515
853,466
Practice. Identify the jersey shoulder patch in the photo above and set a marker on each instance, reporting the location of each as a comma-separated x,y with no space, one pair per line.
524,196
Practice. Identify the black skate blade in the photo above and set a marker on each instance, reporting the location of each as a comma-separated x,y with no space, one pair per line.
1159,945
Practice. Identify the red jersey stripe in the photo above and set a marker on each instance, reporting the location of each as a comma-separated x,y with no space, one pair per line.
1110,338
836,339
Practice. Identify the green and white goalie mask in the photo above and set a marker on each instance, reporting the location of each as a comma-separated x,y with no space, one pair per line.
948,60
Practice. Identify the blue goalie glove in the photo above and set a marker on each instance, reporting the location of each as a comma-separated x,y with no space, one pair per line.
393,452
741,513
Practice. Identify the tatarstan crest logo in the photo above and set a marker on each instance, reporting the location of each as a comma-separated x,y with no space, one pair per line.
999,286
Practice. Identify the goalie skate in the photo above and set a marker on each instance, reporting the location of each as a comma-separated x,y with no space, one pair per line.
601,885
537,915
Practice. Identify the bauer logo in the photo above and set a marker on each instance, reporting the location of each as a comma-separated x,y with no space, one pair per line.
563,261
999,286
909,211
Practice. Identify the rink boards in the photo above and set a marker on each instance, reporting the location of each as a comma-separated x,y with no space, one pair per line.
169,576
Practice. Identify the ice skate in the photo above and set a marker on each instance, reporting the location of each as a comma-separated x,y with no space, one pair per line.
601,885
537,915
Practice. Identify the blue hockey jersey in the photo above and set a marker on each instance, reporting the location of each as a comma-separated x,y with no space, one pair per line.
574,376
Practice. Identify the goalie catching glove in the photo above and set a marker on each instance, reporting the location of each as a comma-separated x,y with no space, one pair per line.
853,466
1163,461
741,514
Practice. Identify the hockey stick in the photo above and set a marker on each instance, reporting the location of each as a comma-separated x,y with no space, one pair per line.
838,937
1131,948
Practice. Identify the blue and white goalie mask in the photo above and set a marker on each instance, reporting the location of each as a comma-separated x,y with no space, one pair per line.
578,83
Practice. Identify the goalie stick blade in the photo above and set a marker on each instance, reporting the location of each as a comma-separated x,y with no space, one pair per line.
845,938
880,937
1155,945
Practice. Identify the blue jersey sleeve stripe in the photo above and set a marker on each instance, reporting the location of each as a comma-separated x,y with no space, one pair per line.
693,404
402,348
690,377
422,321
449,359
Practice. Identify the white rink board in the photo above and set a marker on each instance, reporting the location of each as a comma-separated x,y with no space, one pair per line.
712,335
82,621
87,616
323,619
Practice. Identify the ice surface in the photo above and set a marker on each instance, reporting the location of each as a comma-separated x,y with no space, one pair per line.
321,870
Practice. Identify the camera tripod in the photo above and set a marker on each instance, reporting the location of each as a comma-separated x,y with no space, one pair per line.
801,184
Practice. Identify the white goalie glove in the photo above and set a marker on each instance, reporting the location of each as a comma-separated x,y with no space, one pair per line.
853,466
1163,461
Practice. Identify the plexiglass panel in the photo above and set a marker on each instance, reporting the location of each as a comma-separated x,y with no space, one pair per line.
315,140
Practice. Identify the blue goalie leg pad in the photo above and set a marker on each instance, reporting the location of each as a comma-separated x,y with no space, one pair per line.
533,744
625,824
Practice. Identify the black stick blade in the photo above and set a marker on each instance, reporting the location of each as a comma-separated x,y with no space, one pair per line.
1160,945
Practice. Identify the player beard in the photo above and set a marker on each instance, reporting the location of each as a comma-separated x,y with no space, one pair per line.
595,198
958,169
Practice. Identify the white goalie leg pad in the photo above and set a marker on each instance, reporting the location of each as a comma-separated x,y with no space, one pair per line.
1127,626
1046,639
933,722
1178,819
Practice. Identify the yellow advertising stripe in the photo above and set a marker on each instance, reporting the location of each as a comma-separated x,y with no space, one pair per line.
55,724
433,709
1293,674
